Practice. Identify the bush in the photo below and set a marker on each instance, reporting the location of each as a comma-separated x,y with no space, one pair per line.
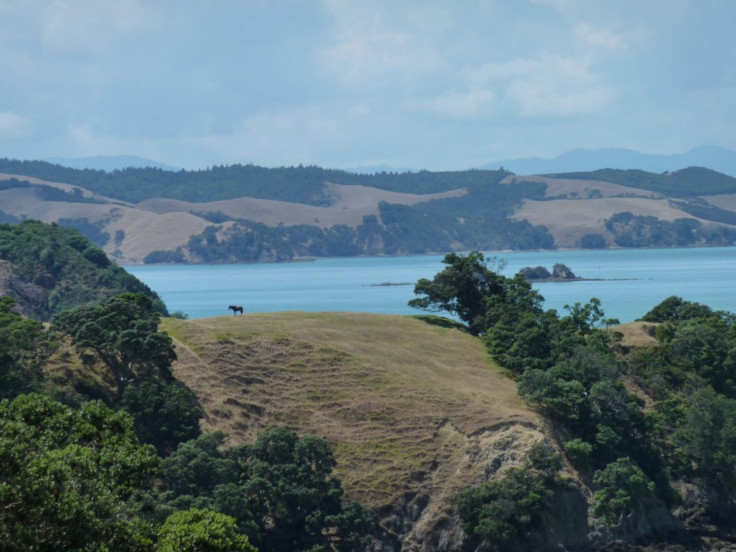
593,241
165,413
579,453
623,491
201,530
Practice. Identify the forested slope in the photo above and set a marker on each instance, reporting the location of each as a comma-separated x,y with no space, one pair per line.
48,268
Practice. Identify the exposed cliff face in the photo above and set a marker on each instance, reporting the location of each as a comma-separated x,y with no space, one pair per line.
30,299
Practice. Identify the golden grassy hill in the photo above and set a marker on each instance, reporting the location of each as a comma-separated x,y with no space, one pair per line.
414,410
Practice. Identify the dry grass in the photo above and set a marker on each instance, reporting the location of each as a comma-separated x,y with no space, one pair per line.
727,201
637,335
349,205
579,188
403,402
569,219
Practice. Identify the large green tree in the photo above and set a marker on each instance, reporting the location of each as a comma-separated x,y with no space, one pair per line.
471,290
71,479
123,330
201,531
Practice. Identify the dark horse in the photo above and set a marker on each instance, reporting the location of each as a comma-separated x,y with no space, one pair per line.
236,309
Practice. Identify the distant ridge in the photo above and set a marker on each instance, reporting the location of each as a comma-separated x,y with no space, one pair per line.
109,163
713,157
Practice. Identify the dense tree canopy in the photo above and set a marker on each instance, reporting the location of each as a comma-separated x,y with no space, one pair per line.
124,331
22,345
280,490
57,268
71,478
578,375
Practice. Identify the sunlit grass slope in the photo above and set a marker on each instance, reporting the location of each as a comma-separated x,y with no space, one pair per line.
403,400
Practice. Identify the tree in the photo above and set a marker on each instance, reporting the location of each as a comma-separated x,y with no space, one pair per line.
165,413
71,479
674,309
124,331
478,296
509,508
623,490
280,491
460,289
201,531
296,502
708,438
22,344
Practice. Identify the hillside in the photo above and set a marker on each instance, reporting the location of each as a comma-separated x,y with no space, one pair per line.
412,420
46,269
251,214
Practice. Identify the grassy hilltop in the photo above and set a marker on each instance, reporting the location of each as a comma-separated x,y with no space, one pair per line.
413,409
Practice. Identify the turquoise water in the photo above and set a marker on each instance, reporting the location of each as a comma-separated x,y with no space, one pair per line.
629,282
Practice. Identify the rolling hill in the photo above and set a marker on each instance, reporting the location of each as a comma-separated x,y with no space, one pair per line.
247,213
414,407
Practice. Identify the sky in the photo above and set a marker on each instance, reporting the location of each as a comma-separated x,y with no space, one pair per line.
425,84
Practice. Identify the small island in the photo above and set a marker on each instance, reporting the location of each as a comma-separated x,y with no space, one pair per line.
560,273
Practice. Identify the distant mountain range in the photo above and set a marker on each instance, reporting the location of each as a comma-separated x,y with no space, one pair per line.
109,163
713,157
578,160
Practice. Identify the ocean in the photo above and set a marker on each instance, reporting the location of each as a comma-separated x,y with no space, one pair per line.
628,282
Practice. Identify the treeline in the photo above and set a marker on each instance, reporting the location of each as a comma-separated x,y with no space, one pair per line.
123,465
686,183
631,230
635,451
305,184
478,219
298,184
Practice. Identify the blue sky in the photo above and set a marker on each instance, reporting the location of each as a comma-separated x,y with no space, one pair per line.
345,84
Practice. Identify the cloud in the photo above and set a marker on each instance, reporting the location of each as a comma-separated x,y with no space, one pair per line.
92,26
545,85
378,47
601,38
12,125
469,104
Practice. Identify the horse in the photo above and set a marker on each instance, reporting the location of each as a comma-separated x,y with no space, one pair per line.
236,309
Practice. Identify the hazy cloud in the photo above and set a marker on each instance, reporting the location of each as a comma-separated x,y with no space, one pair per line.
12,124
338,83
92,26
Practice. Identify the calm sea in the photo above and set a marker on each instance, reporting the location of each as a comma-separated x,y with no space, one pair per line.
628,282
